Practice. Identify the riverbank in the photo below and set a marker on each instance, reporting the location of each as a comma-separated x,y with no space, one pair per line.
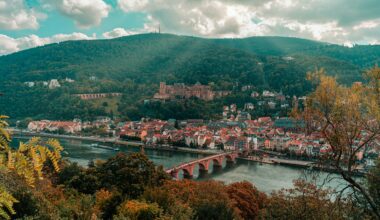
123,143
114,141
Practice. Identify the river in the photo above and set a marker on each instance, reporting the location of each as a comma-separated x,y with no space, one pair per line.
265,177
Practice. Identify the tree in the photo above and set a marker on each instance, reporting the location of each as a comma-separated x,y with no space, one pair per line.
4,135
136,210
373,179
246,199
131,174
6,201
24,123
27,161
306,201
349,120
196,200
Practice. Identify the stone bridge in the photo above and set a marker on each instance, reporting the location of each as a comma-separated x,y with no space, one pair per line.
203,163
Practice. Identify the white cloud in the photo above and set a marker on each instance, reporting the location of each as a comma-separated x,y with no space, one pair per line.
7,44
333,21
367,24
133,5
119,32
207,18
10,45
14,15
86,13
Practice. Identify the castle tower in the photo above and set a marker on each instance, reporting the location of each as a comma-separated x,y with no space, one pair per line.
162,88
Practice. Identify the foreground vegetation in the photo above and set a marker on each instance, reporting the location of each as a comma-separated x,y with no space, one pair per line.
35,183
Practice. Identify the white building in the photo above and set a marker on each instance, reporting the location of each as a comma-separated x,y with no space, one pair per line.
54,84
30,84
267,93
69,80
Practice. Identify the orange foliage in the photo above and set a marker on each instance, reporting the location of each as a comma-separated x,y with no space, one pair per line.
246,199
101,196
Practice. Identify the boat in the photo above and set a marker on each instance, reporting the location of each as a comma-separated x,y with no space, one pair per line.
104,147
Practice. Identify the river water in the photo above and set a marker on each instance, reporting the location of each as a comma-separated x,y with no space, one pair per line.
265,177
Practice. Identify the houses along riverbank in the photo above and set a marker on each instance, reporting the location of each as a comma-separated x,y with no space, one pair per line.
122,143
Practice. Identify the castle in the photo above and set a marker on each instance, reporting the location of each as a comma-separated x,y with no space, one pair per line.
180,90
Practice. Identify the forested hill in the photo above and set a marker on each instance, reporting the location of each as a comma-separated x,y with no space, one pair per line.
153,57
134,65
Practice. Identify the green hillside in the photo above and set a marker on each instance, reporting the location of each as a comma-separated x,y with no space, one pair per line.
134,66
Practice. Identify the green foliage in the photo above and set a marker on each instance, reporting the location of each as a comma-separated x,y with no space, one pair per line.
134,65
130,174
78,178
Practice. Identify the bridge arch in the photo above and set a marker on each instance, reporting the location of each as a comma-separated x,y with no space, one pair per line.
188,171
203,165
218,161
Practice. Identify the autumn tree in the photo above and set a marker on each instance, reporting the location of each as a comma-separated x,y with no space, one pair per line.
27,161
306,201
137,210
246,199
349,120
373,181
193,200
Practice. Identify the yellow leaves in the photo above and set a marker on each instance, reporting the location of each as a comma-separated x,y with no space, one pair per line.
314,77
343,113
6,204
4,135
29,159
373,75
134,209
10,163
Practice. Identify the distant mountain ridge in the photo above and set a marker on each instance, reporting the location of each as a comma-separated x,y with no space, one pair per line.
136,53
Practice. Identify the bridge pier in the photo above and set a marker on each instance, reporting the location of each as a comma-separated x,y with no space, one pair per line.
174,174
203,173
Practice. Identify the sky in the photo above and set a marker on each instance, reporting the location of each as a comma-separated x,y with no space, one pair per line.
30,23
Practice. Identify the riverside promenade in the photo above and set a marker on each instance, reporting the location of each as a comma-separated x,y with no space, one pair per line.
116,141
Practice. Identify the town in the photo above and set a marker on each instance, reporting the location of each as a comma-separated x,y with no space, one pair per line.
255,139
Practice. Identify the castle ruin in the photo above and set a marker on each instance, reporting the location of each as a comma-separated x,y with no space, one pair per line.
181,91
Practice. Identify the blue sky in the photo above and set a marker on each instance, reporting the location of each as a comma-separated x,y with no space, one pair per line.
30,23
56,22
